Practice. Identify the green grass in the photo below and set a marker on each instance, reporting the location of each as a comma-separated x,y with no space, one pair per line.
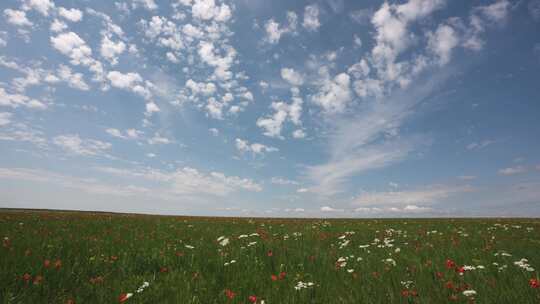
105,255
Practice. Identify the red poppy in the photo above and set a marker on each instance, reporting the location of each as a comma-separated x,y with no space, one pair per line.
449,285
38,279
179,254
46,263
405,293
460,270
27,277
230,294
450,264
114,258
164,269
124,297
534,283
439,275
58,264
252,299
70,301
282,275
274,277
270,253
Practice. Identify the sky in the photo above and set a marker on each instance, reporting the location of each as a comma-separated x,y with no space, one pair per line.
329,108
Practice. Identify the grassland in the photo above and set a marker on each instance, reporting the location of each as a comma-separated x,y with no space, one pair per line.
72,257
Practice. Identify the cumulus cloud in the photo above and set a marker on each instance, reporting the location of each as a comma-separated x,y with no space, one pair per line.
18,100
16,17
208,10
73,46
147,4
73,15
273,124
442,42
74,144
244,146
311,18
334,94
110,49
42,6
74,80
129,81
274,30
292,77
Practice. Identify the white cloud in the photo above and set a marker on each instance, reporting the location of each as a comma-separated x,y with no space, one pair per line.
392,210
299,133
512,170
5,118
127,134
110,49
430,195
283,181
42,6
74,80
495,12
334,94
129,81
147,4
73,46
442,42
58,26
17,18
213,131
282,111
311,18
467,177
73,144
201,88
392,37
208,55
158,139
292,77
207,10
124,81
16,100
274,31
73,15
368,140
330,209
3,38
87,185
255,148
361,16
151,107
189,181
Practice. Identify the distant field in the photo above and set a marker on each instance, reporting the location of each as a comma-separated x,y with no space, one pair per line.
76,257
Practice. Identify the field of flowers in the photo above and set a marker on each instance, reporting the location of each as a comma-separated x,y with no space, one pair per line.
71,257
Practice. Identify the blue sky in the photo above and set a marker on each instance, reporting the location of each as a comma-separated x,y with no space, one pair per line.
326,108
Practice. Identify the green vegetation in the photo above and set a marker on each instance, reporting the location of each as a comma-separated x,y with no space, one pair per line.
72,257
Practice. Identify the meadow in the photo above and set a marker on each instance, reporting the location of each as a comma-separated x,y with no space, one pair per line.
80,257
